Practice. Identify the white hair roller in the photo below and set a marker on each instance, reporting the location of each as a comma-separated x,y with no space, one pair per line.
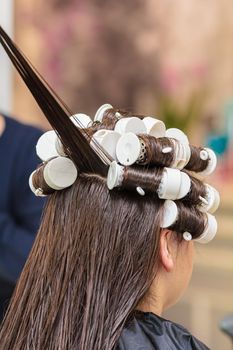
174,184
130,124
107,139
81,120
59,147
212,200
210,230
154,127
49,145
37,191
115,175
212,163
46,146
177,134
182,155
182,149
60,173
170,214
100,112
128,149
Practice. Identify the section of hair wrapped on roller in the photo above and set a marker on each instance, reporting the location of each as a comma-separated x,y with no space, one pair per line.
196,163
190,219
38,180
196,193
148,179
154,150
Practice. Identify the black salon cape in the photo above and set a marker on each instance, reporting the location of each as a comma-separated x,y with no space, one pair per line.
146,331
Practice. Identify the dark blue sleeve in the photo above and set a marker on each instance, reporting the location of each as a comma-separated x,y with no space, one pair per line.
19,227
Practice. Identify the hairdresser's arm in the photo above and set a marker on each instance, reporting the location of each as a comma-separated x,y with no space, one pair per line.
18,227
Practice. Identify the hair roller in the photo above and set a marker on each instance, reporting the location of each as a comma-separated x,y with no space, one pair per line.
100,114
49,144
81,120
196,163
154,127
202,160
46,146
56,174
37,183
168,183
133,177
195,225
147,179
106,118
190,219
170,214
203,195
144,149
107,139
130,124
197,192
211,227
211,201
174,184
41,190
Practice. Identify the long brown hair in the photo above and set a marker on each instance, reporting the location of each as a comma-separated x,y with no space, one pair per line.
94,258
96,252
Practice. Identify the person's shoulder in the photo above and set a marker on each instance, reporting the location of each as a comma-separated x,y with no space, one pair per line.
149,331
14,124
180,334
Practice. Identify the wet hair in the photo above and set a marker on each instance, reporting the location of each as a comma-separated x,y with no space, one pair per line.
97,251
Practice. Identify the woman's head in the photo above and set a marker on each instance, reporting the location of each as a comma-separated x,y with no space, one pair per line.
97,256
113,239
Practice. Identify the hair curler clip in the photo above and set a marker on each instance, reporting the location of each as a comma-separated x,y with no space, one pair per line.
187,236
130,124
154,127
209,231
81,120
212,163
140,191
212,200
174,184
166,150
100,112
107,139
170,214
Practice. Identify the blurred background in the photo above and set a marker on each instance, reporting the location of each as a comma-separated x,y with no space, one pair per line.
171,59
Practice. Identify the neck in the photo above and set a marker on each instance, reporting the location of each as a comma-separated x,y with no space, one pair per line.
155,300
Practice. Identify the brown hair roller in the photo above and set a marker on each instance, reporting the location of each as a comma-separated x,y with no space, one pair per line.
196,163
190,219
